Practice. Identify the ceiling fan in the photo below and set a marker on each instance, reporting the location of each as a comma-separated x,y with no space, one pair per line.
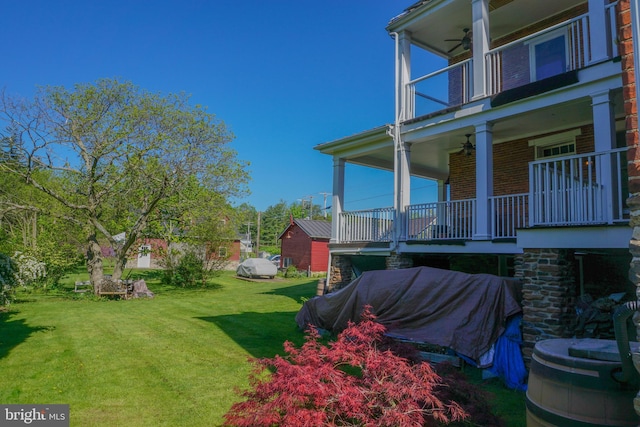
465,41
467,147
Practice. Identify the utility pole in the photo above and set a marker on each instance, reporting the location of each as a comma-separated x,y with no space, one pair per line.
258,236
302,204
324,210
249,236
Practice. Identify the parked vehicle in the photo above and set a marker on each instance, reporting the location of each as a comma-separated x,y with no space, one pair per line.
257,267
275,259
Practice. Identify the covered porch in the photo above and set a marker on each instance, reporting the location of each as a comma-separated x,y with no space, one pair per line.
578,190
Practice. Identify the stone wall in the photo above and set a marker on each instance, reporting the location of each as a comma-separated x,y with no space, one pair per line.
548,294
398,261
341,272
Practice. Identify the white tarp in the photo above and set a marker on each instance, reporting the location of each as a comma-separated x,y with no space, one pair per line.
256,267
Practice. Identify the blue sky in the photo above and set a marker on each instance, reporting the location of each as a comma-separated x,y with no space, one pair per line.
283,75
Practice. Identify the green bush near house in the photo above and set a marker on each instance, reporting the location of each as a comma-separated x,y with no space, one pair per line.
173,360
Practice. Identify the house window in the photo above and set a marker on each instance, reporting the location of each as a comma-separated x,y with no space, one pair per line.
548,55
557,150
556,145
222,252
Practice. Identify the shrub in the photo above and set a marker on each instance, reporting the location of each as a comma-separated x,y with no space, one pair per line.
351,381
292,272
7,279
29,270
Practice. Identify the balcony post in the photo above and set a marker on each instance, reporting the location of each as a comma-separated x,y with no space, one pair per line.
404,102
442,190
337,198
481,37
402,178
484,181
604,137
599,37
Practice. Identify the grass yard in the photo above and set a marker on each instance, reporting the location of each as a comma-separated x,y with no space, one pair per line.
174,360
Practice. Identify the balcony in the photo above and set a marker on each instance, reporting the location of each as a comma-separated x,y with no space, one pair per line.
577,190
551,52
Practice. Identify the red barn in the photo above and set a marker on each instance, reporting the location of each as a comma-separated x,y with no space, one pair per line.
305,244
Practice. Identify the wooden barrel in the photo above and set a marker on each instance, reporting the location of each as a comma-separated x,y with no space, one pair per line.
564,390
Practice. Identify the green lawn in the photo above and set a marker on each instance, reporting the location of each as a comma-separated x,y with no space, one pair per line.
174,360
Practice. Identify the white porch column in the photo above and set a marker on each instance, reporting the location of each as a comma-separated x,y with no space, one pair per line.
337,198
480,44
405,105
402,178
604,134
442,190
598,37
484,180
604,127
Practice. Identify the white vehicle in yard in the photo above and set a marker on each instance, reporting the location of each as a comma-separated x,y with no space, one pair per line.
257,267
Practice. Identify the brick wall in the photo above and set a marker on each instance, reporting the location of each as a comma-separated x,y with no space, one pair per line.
510,164
631,121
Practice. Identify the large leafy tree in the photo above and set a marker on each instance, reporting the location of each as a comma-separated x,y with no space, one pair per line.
119,155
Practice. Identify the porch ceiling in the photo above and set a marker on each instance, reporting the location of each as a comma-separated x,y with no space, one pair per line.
434,21
430,154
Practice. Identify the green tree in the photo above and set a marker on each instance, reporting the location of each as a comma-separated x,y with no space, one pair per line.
273,222
119,155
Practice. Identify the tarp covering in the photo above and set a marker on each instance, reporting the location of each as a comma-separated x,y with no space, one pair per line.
255,267
464,312
508,363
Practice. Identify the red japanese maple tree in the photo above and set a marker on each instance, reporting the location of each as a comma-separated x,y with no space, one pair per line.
352,381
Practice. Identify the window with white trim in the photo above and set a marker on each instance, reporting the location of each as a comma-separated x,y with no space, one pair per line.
548,55
559,144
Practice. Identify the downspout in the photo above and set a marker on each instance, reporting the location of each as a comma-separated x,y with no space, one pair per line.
621,314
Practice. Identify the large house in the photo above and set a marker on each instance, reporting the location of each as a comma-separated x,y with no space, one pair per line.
523,127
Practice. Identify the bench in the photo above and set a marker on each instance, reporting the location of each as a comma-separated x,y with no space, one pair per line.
113,288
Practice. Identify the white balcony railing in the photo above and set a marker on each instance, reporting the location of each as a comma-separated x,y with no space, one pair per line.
449,87
580,189
612,28
375,225
506,67
508,213
441,220
510,65
587,189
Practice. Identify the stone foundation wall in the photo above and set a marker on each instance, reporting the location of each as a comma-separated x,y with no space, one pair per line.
398,262
341,272
548,294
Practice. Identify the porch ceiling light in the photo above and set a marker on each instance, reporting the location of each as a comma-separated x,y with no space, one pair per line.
468,147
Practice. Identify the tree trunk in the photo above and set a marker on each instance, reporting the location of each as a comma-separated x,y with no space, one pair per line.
121,262
94,262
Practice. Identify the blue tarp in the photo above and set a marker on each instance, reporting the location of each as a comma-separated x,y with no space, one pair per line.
507,361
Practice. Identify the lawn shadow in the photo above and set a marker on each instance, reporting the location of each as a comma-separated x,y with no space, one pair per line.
299,293
15,332
261,334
